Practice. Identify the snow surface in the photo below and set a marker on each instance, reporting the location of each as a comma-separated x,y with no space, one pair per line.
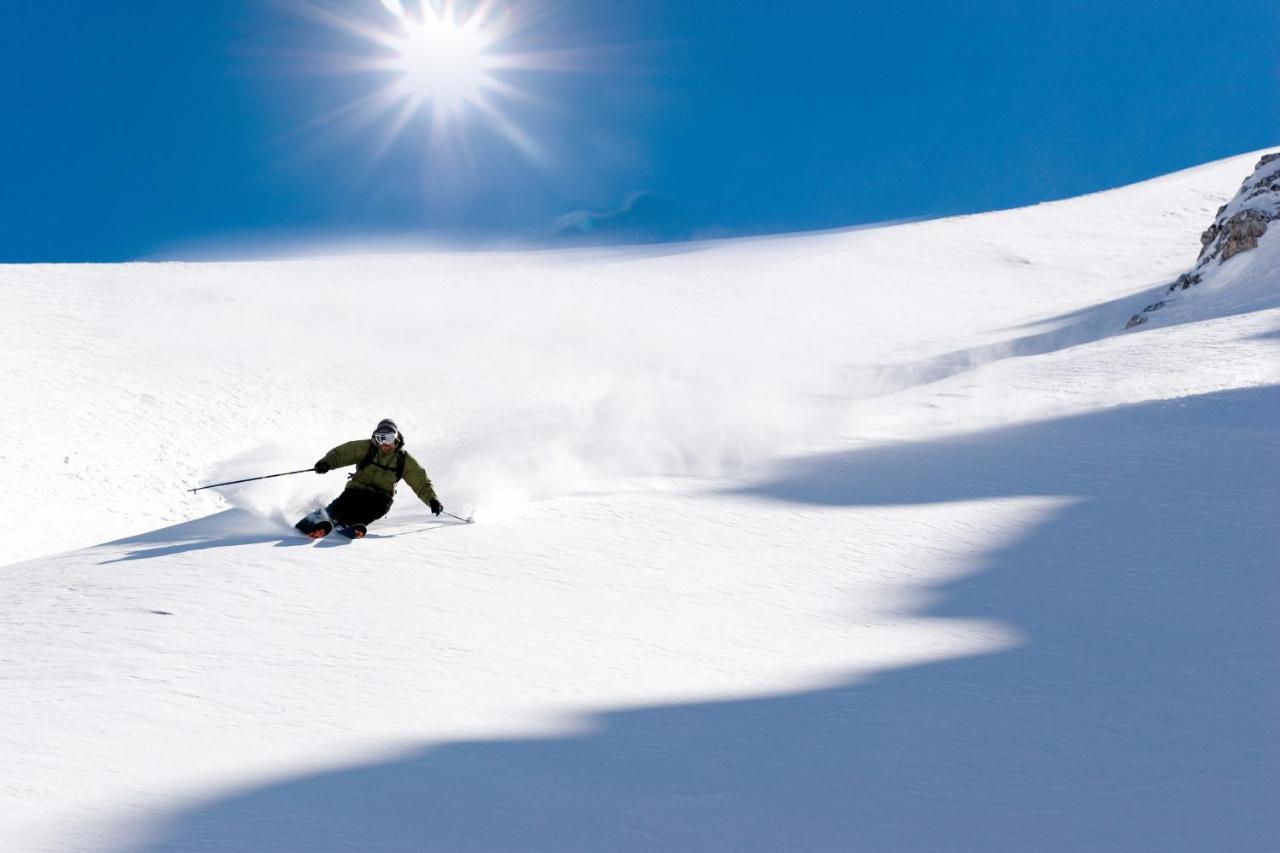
873,540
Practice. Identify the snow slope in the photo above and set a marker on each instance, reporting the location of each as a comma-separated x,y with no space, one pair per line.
867,540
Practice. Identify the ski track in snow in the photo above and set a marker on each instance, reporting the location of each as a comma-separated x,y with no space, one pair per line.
878,540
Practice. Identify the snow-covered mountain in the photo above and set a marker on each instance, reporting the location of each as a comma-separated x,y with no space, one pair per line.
1238,227
887,539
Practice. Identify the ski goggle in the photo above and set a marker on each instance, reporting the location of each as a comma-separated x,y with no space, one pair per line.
384,437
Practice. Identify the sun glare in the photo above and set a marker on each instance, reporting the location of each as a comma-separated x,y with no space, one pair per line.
441,69
442,61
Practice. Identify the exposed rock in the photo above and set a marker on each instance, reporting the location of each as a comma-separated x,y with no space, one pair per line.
1208,236
1138,319
1240,222
1242,232
1236,228
1263,189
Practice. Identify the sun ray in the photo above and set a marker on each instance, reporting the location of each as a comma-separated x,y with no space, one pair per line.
395,7
512,132
446,70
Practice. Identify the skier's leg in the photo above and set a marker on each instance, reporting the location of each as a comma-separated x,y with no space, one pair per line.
344,506
359,506
375,508
355,509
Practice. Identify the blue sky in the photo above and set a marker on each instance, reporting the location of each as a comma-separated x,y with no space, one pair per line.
146,129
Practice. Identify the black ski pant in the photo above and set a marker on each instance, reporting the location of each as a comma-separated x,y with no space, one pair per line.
359,506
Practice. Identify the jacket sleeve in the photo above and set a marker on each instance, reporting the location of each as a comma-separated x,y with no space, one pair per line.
418,480
347,454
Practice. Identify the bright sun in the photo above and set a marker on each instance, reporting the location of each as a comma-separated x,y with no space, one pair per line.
442,60
453,63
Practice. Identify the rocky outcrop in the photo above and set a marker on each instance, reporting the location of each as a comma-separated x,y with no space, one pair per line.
1241,232
1236,228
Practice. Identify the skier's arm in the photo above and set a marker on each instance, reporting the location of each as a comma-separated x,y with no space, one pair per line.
418,480
346,454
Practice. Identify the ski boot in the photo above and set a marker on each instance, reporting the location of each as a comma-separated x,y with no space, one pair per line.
353,531
315,525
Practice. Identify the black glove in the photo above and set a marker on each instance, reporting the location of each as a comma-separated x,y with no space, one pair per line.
322,467
436,506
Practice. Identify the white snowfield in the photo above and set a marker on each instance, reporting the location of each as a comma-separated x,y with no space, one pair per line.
879,540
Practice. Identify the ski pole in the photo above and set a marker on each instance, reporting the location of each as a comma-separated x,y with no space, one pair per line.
250,479
468,520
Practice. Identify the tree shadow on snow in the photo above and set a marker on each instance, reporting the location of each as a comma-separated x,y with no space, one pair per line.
225,529
1138,714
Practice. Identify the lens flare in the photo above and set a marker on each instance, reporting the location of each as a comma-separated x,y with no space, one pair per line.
441,68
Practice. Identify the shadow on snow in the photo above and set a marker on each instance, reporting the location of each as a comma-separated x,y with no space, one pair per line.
1139,714
1075,328
234,527
226,529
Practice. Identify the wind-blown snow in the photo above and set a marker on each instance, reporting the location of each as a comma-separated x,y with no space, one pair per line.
883,539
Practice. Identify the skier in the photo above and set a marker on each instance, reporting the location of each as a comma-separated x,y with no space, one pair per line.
381,462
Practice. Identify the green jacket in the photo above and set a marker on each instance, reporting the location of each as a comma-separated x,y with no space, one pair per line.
380,474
